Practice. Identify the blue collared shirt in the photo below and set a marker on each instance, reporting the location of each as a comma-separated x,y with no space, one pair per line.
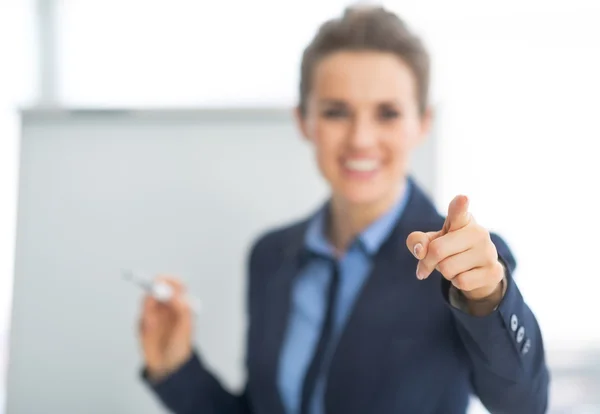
308,303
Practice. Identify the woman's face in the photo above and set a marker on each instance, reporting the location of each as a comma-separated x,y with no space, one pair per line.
363,119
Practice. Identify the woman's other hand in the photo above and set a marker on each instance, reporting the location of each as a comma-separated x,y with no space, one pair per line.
166,331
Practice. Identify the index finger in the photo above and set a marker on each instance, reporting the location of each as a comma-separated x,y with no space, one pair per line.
458,214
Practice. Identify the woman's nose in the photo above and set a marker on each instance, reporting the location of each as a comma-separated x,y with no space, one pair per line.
363,133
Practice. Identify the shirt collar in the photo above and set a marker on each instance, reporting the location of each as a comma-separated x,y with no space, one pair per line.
371,238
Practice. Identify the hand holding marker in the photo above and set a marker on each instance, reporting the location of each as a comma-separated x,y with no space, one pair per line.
159,290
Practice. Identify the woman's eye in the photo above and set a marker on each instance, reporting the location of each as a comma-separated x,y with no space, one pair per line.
335,113
389,114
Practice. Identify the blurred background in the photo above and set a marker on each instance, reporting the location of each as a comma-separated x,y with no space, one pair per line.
139,133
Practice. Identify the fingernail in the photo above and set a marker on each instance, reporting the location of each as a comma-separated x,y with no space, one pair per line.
419,274
417,250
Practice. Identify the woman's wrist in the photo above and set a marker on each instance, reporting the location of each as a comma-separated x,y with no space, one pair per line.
486,305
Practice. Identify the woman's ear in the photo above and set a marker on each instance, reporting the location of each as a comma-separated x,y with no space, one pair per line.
426,123
301,122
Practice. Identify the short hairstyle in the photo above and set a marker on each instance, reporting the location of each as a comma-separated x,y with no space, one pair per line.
366,29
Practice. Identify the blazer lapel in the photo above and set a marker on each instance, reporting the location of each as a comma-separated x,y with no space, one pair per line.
277,308
360,356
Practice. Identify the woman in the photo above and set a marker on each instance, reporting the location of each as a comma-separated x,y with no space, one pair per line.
375,304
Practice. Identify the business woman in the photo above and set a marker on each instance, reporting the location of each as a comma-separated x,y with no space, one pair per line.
375,303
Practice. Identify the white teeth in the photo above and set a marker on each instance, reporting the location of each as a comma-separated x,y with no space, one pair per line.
362,165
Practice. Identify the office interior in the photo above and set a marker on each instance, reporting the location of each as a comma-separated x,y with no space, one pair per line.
116,114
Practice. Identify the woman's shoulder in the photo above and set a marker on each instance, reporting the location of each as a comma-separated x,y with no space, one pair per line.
278,242
282,236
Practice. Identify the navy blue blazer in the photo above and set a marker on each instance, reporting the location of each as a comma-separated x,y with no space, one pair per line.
404,349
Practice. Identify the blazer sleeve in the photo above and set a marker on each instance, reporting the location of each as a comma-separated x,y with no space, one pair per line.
193,389
509,371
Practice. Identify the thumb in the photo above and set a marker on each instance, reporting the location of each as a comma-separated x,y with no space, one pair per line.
458,214
418,242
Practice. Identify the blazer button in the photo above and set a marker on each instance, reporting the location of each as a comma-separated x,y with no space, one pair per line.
514,322
526,347
520,334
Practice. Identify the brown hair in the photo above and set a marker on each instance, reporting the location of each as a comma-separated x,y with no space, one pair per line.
366,29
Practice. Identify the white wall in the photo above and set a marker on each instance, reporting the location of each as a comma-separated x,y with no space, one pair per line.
8,169
16,86
186,52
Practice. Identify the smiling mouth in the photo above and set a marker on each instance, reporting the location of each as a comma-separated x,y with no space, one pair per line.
361,165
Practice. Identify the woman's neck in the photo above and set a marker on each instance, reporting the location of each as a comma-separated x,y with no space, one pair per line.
347,220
